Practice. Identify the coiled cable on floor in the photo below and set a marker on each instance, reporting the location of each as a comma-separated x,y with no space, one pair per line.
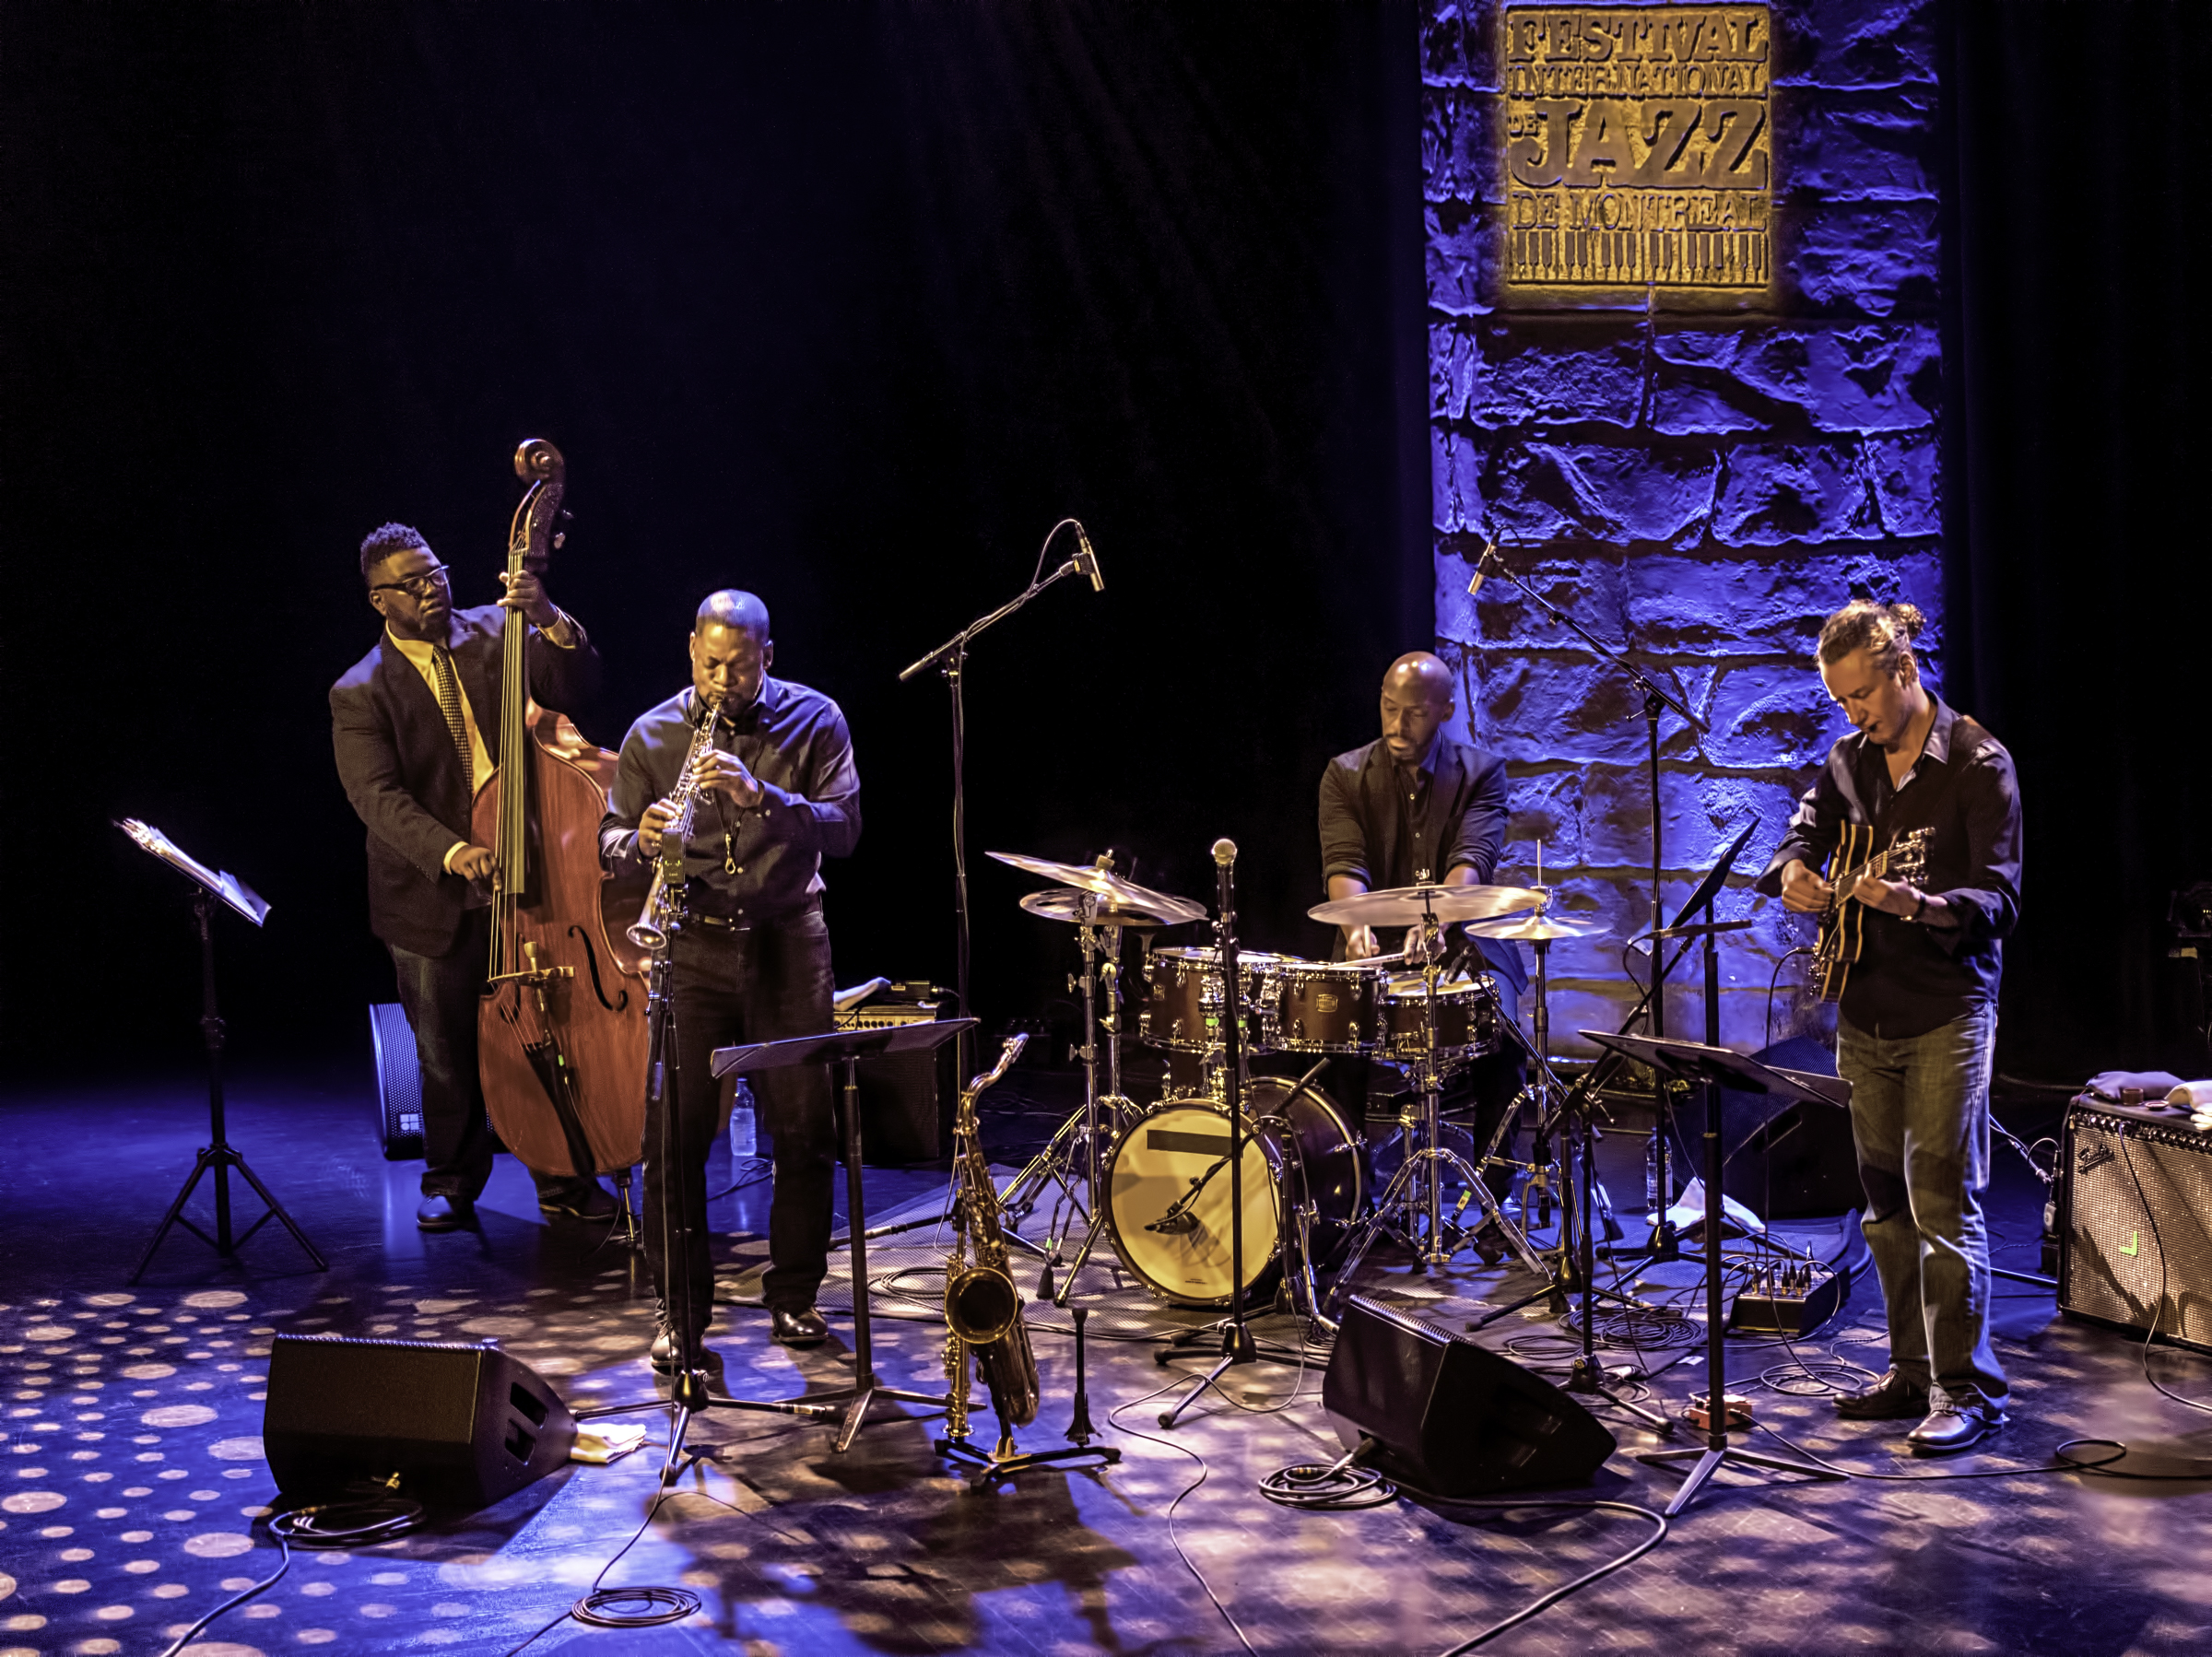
361,1523
1330,1486
636,1607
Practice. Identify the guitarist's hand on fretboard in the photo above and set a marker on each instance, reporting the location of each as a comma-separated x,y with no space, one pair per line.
1803,890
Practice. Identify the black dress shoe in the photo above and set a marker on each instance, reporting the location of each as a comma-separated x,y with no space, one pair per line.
799,1327
588,1200
1892,1398
663,1356
444,1213
1955,1424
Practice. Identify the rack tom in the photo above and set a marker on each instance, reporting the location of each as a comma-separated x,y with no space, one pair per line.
1321,1007
1183,998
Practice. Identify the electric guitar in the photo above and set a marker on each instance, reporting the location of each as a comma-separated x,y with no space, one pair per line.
1844,923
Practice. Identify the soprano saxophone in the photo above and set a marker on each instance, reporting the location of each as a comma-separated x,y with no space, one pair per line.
657,918
983,1308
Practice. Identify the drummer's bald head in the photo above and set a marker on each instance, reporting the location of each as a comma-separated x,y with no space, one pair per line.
732,608
1418,675
1416,701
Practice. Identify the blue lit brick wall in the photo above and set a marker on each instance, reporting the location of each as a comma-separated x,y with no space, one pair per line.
1703,481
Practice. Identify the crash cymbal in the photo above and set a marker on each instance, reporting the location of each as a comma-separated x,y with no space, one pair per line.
1122,894
1065,903
1531,929
1410,905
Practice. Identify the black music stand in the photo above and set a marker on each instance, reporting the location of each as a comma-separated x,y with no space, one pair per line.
1712,1066
218,1156
844,1048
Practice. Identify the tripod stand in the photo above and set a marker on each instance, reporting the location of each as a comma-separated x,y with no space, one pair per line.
1713,1067
217,1156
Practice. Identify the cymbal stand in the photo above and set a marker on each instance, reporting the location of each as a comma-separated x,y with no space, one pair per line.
1412,1206
1102,948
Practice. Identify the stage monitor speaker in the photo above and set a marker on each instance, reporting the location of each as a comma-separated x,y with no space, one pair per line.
906,1098
2135,1221
1448,1415
463,1426
398,1082
1784,1161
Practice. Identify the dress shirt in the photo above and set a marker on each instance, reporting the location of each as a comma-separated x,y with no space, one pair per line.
755,861
1912,977
423,654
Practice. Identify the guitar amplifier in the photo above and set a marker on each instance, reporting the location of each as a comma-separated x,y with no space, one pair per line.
2135,1220
906,1098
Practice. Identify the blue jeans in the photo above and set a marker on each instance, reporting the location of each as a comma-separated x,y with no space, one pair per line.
1920,1117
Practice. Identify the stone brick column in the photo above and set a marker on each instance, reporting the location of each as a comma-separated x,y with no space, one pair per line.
1699,476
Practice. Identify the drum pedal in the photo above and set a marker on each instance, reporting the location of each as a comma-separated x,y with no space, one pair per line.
1791,1300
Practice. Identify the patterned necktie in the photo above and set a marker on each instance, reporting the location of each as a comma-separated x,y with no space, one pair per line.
449,699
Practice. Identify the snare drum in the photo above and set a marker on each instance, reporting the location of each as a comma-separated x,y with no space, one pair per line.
1321,1007
1183,1001
1184,1256
1467,1023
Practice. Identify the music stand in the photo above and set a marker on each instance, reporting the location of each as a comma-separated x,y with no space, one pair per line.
1711,1066
217,1156
846,1049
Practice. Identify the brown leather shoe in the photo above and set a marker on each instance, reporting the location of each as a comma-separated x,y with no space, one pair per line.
1954,1424
1892,1398
800,1326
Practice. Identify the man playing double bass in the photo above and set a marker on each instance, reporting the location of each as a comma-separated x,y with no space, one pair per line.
777,792
1916,1028
416,723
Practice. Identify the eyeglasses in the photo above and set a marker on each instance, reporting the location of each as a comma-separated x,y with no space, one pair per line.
416,586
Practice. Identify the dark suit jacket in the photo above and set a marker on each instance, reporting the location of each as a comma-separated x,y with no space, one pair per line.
397,761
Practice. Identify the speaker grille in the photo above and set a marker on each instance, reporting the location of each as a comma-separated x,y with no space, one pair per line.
398,1082
2137,1253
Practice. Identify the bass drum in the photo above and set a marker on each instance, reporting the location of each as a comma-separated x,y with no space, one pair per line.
1184,1256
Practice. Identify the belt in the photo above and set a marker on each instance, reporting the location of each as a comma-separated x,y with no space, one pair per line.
726,922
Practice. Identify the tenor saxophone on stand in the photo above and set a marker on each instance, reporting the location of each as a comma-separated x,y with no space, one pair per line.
983,1308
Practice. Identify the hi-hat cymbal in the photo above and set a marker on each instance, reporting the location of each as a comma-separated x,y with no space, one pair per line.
1124,895
1533,929
1065,903
1411,905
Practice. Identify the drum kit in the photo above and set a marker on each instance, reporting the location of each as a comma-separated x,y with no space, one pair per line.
1147,1179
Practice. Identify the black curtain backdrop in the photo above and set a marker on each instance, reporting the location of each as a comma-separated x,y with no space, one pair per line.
2079,582
843,303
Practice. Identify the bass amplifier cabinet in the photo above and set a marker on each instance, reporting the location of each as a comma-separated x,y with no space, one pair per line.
398,1082
906,1098
2135,1223
463,1426
1448,1415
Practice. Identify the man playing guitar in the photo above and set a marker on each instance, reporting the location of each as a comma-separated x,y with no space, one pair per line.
1917,1024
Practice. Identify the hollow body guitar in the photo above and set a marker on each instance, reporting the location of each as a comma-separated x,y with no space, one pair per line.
1844,923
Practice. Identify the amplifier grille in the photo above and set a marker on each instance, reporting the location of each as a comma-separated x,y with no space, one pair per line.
2138,1250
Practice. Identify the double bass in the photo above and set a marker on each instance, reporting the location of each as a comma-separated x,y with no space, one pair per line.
561,1030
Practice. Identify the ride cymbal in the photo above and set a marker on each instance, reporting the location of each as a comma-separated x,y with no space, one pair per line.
1124,895
1067,903
1533,929
1411,905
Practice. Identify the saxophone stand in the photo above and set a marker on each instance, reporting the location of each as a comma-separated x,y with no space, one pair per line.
219,1157
1714,1067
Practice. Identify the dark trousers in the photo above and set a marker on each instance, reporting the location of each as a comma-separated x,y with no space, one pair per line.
440,994
765,982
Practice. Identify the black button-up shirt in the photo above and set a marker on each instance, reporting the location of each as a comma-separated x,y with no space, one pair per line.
793,740
1912,977
1389,826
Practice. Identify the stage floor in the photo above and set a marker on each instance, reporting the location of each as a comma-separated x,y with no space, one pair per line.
131,1473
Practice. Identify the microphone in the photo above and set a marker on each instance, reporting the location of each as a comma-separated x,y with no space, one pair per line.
1087,561
1225,852
1174,1223
1482,567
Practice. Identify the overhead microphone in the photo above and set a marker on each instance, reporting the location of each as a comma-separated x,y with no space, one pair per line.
1482,567
1087,561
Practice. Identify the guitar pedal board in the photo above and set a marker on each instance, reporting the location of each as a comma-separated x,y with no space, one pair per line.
1789,1298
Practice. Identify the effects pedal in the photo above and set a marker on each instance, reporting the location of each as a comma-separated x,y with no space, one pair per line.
1737,1407
1788,1297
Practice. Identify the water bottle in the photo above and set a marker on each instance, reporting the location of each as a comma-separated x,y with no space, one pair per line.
744,1138
1651,1175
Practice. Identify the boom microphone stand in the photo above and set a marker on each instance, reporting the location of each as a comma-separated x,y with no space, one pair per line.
950,659
219,1157
1655,700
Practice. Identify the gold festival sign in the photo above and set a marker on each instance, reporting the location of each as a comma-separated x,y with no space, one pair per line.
1638,149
